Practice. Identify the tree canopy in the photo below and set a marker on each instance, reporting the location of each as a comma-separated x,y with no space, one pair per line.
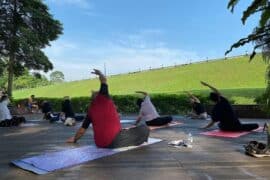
26,27
57,77
261,33
25,80
260,36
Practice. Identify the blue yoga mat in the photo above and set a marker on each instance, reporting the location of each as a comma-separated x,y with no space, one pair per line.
127,120
49,162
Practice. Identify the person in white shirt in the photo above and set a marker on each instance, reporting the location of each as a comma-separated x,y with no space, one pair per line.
5,117
148,112
4,111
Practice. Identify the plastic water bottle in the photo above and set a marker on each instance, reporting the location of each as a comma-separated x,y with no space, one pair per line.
189,140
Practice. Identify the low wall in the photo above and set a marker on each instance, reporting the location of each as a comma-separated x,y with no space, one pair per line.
245,111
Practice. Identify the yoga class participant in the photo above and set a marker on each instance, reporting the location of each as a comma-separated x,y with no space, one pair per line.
104,117
224,113
198,110
148,112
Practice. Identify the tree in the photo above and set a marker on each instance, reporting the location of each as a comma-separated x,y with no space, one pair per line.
261,33
26,27
260,37
3,78
2,66
30,80
57,77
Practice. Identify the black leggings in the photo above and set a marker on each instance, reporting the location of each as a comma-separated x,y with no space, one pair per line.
56,117
160,121
241,127
15,121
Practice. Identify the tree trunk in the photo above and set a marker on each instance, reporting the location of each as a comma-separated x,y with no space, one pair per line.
10,74
13,50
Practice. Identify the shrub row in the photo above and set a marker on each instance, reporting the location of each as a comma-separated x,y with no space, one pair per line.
263,101
164,103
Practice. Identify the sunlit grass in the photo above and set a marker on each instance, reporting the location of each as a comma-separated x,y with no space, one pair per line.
237,78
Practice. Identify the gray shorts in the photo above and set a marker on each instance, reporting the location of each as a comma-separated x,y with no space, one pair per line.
131,137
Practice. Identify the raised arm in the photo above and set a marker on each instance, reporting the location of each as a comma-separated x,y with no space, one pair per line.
142,92
102,78
211,87
192,96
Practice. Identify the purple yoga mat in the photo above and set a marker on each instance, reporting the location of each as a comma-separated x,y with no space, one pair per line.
49,162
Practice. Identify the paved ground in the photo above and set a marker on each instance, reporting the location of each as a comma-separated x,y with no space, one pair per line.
210,158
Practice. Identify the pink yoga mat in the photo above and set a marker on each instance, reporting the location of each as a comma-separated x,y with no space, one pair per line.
228,134
173,123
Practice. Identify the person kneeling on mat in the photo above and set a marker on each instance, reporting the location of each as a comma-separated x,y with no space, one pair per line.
223,113
47,111
106,123
198,110
149,113
67,114
6,120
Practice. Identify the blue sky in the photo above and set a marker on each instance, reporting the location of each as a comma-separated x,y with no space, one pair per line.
132,35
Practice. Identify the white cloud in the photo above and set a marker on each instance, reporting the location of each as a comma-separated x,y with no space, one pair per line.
84,4
127,54
129,60
58,48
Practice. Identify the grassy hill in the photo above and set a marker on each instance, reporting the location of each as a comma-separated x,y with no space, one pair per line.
236,77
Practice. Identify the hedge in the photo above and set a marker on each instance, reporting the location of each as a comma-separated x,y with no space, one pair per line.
263,101
126,104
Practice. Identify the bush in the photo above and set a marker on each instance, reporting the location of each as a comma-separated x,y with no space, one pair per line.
126,104
263,101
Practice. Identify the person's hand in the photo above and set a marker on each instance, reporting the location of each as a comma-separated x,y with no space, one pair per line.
96,72
204,83
141,92
71,140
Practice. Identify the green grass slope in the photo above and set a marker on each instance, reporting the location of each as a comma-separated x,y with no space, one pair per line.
236,77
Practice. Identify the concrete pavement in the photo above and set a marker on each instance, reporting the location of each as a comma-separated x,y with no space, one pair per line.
210,158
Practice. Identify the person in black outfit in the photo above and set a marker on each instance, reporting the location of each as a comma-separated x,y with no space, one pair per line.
48,112
198,110
224,114
46,109
67,109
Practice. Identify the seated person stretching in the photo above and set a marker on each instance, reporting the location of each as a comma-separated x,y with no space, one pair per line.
6,119
198,110
106,123
224,114
148,112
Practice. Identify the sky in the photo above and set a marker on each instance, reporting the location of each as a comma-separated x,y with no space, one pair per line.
130,35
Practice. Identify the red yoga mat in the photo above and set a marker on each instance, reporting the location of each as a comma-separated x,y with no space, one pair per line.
228,134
